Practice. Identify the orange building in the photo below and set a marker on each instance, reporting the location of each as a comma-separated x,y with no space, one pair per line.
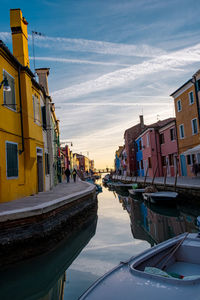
186,101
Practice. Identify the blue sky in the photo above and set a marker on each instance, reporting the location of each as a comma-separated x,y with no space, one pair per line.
110,61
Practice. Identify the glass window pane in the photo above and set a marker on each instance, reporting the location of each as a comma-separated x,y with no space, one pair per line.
9,97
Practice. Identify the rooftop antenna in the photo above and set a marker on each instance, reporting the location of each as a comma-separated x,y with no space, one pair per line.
33,44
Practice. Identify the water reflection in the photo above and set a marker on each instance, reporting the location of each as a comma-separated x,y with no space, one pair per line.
126,227
156,223
44,277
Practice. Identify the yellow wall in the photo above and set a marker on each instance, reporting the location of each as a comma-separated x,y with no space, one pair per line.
10,130
185,116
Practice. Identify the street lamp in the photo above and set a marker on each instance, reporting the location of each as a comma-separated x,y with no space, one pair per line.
5,84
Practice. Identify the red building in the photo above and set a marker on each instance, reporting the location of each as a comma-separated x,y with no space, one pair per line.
129,136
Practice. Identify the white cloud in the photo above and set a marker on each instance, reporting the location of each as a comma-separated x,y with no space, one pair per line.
117,78
101,47
78,61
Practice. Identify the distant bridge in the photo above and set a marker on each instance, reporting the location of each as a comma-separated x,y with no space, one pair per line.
106,170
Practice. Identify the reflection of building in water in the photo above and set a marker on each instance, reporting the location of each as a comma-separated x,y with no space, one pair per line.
139,222
57,291
43,277
156,224
164,227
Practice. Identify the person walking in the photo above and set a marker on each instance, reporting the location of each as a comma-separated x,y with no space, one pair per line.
74,172
67,174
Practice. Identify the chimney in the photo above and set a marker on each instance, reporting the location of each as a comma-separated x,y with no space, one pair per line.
18,26
42,74
141,121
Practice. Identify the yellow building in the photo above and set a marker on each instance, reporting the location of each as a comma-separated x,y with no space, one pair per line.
21,147
186,101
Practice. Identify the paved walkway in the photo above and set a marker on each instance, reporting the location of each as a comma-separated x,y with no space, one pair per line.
187,182
45,201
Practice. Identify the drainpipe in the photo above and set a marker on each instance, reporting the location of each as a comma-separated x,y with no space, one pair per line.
21,115
194,81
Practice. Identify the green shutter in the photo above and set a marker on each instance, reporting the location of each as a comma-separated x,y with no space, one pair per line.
12,160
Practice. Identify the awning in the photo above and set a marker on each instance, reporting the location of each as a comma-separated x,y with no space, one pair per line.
194,150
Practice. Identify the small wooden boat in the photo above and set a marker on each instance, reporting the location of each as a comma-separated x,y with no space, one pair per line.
160,196
170,270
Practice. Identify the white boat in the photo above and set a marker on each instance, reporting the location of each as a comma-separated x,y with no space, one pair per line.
170,270
160,196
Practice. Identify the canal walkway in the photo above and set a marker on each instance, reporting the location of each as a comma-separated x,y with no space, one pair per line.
43,202
188,187
182,181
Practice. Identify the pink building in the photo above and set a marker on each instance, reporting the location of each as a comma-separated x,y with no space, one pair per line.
151,152
159,148
169,148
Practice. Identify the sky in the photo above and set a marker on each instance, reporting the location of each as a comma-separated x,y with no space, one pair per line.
110,61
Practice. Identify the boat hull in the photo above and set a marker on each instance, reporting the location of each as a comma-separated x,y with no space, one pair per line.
125,282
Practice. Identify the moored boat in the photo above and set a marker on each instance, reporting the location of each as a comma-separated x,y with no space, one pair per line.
170,270
164,196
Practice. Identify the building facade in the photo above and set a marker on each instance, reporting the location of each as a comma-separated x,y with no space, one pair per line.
186,101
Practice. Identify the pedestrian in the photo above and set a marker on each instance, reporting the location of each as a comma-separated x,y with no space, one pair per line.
74,172
195,168
67,174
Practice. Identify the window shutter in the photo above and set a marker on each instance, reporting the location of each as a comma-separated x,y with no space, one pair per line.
12,160
44,122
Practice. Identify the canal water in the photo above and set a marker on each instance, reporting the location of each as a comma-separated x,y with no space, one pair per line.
123,228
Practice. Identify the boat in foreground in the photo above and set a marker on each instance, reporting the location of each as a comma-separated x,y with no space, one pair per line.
170,270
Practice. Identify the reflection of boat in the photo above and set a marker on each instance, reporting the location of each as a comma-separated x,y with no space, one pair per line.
136,193
170,270
169,211
35,278
160,196
122,185
98,188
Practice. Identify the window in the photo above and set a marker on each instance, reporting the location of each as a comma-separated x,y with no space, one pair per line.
171,159
190,159
44,122
179,107
149,162
162,139
172,134
198,85
163,159
194,126
36,110
47,163
181,131
11,160
9,97
147,140
191,98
